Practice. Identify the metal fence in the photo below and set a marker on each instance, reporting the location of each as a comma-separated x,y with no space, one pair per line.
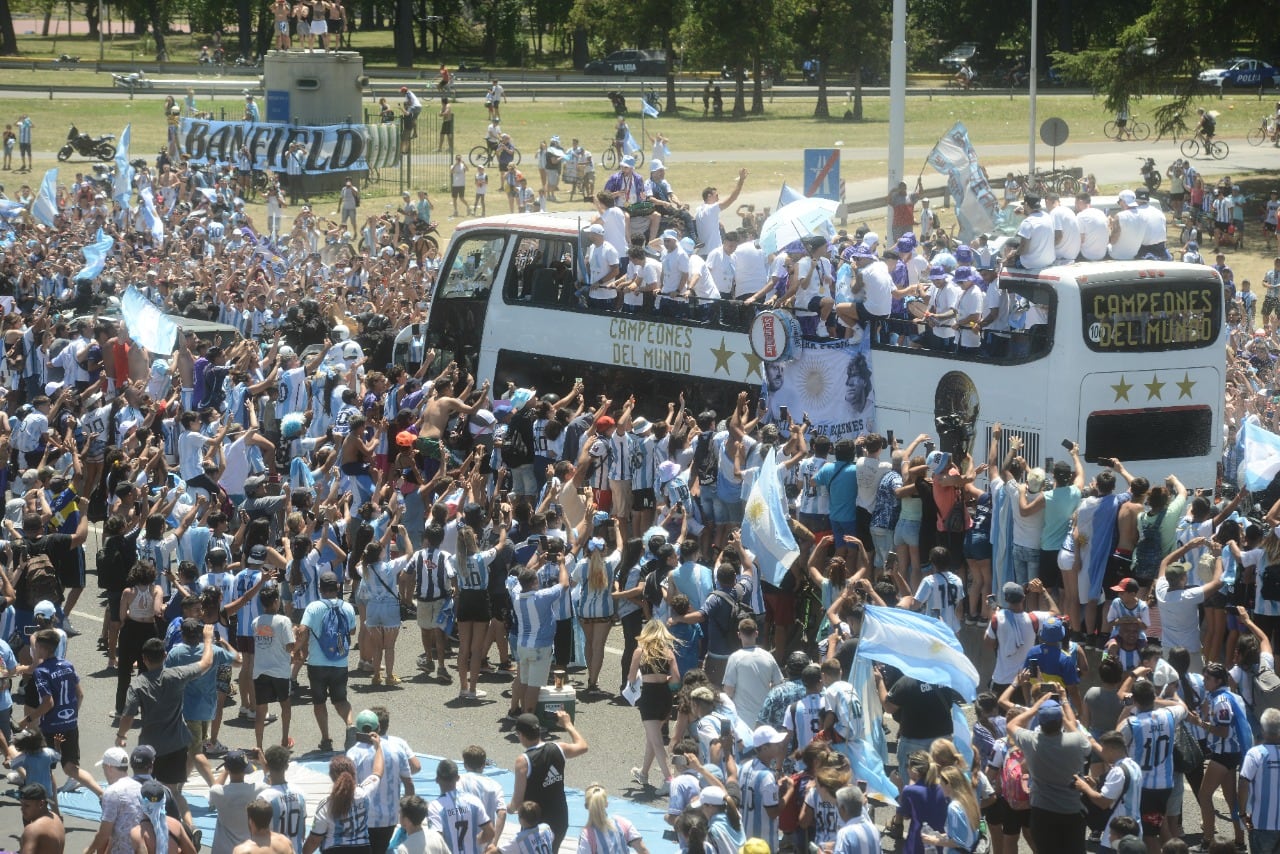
421,167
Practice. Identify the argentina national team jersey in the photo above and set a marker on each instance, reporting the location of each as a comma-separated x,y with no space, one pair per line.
858,836
291,392
616,839
826,819
288,813
620,458
475,576
458,817
245,579
593,604
1227,709
814,499
1150,739
549,577
842,700
759,792
644,461
1261,768
384,798
940,592
531,840
804,720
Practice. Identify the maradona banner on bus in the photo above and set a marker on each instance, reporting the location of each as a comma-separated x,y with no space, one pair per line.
329,148
828,381
971,193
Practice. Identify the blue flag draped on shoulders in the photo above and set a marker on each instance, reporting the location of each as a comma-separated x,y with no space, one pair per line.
920,646
766,531
147,325
45,205
122,181
95,256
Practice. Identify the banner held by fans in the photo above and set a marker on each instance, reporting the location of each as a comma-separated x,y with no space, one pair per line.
329,148
975,203
828,382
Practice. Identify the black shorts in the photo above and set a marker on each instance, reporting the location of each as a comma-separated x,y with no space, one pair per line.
1221,224
113,605
1270,305
1152,806
643,499
335,26
71,574
1050,575
171,768
327,683
458,192
1015,821
499,605
473,606
270,689
1269,228
244,644
1230,761
70,747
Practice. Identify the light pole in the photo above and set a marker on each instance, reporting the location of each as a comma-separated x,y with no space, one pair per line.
100,24
897,105
1031,130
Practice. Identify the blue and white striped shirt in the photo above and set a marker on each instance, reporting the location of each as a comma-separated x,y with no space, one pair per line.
384,798
616,840
476,574
759,792
1226,709
804,720
858,836
536,616
548,577
459,817
594,604
245,579
531,840
1150,739
1261,768
1128,799
288,813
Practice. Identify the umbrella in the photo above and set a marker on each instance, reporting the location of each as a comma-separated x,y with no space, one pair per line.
798,219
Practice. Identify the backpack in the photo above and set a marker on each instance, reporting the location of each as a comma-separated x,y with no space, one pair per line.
1266,689
738,611
1015,780
113,565
335,637
41,580
1270,583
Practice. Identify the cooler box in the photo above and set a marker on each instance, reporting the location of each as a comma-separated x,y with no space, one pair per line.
552,700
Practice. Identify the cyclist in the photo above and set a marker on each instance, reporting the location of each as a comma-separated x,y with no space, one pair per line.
965,76
412,107
445,79
492,136
1122,123
1207,127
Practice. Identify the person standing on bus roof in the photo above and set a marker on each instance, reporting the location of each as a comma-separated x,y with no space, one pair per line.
1127,228
675,276
602,269
707,216
1154,227
1035,251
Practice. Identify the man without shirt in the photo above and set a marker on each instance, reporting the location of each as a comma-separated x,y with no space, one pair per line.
262,839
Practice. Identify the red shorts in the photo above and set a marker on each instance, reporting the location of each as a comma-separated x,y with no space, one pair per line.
604,499
780,609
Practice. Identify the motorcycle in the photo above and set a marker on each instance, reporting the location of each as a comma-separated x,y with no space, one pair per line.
101,148
1150,174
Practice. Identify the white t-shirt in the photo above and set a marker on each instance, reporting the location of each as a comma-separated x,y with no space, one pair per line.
599,261
879,289
750,268
751,673
707,220
1094,232
1066,247
1036,232
650,275
1131,231
1026,529
614,221
190,454
704,283
971,301
1179,618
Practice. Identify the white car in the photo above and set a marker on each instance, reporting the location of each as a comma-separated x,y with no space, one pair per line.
1243,73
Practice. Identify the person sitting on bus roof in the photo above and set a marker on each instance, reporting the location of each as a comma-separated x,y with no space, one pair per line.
644,275
601,269
1036,233
779,274
675,276
878,290
1127,228
1153,227
628,190
940,318
809,289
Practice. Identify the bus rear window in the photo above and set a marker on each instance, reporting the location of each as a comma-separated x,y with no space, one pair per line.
1150,434
1151,315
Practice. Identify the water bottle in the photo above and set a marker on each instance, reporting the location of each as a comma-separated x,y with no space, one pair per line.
926,830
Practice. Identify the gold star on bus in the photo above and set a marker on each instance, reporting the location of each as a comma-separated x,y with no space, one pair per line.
1122,389
1184,387
723,355
753,364
1154,387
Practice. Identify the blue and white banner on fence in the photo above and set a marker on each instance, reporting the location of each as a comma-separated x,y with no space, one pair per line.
765,531
328,148
95,256
147,324
829,382
45,205
122,181
975,203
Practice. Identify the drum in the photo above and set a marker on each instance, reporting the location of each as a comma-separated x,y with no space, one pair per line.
916,307
640,209
775,335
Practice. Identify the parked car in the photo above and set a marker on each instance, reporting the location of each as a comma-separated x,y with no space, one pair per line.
965,52
1244,73
638,62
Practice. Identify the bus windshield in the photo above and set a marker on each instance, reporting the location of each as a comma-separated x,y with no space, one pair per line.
1150,315
474,269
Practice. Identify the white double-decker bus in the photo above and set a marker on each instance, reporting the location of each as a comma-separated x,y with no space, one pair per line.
1129,360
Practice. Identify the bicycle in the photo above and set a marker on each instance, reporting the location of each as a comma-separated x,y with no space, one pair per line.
1268,130
480,155
1215,148
609,157
1141,131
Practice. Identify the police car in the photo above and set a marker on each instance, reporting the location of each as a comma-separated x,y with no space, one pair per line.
1244,73
635,62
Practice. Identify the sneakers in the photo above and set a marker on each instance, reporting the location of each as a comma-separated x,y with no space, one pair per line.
393,679
272,717
247,713
664,789
72,631
213,747
639,777
479,694
70,785
426,664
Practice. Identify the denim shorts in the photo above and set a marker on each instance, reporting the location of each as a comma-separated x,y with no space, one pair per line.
729,512
842,528
907,532
524,481
1026,563
883,539
382,614
707,504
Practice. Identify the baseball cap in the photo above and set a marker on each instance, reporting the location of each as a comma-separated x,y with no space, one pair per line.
45,609
687,244
1050,711
1126,585
143,756
328,579
713,795
604,422
366,721
114,757
594,228
1013,592
257,555
1127,198
447,770
937,461
528,724
1052,630
256,481
963,254
235,760
153,791
670,234
767,735
1142,194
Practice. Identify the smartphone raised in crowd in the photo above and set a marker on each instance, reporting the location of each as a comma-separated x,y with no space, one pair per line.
888,434
1033,667
1068,444
784,414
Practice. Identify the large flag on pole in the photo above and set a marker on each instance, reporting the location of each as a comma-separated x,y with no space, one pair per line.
122,181
787,195
648,109
919,646
147,324
765,529
45,205
1259,456
974,201
150,216
95,256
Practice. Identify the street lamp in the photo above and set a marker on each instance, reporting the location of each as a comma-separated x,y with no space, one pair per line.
100,23
1031,130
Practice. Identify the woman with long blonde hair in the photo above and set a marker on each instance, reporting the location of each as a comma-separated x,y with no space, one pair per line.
593,600
654,662
603,833
962,812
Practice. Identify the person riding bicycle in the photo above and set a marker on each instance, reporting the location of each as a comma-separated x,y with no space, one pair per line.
492,136
446,78
965,76
1208,124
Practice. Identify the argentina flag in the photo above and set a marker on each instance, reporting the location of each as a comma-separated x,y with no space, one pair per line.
122,181
95,256
765,528
1259,454
45,206
920,646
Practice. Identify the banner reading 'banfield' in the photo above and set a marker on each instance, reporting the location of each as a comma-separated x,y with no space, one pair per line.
329,148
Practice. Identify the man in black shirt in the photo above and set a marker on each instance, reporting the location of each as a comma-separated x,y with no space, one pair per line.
540,771
922,710
61,551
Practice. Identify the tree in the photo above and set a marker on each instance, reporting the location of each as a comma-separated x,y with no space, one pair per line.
840,33
721,32
1163,51
403,37
614,23
8,38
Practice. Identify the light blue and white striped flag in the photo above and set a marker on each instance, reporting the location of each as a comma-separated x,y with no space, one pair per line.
45,205
629,145
122,181
1259,456
95,256
648,109
150,216
920,646
765,529
146,323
